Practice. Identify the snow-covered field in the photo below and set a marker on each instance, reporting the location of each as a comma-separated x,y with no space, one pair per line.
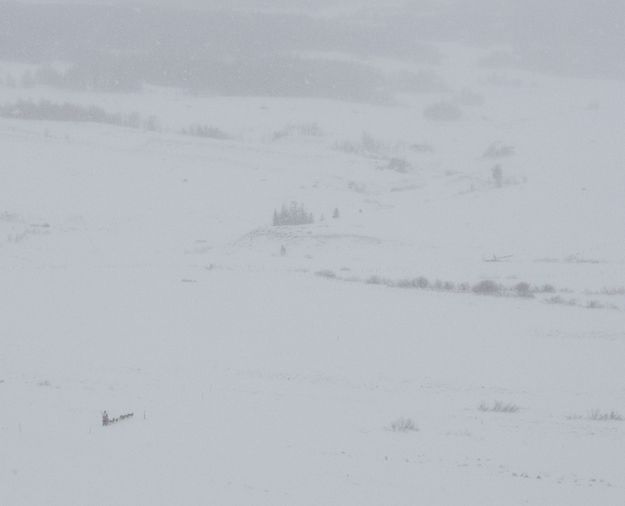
141,274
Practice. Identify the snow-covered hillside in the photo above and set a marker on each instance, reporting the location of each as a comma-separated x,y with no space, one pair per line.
455,336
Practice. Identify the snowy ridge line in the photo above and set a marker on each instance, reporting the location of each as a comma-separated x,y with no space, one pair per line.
296,232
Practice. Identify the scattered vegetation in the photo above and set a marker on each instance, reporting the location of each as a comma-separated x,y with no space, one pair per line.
498,407
600,416
498,150
486,287
326,273
302,130
368,146
577,259
206,132
420,282
570,259
558,299
404,425
400,165
591,304
607,290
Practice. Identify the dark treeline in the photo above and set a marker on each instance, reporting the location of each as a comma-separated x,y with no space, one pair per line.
74,32
118,48
271,75
50,111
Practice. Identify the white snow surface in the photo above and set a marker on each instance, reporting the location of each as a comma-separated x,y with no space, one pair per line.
141,274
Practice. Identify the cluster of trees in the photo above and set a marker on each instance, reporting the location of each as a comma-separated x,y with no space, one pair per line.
294,214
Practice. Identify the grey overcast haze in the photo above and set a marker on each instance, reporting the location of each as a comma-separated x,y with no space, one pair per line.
312,253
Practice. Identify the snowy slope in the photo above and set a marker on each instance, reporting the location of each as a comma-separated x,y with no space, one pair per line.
142,274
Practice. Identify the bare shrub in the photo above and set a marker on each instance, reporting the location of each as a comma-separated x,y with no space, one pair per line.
600,416
594,304
523,289
404,425
497,173
464,287
498,407
607,290
303,129
420,283
370,144
449,286
404,283
577,259
367,145
152,124
347,147
546,289
206,132
438,285
613,290
377,280
487,287
357,187
326,273
400,165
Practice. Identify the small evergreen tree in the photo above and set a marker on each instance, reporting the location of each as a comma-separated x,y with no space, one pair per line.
498,175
